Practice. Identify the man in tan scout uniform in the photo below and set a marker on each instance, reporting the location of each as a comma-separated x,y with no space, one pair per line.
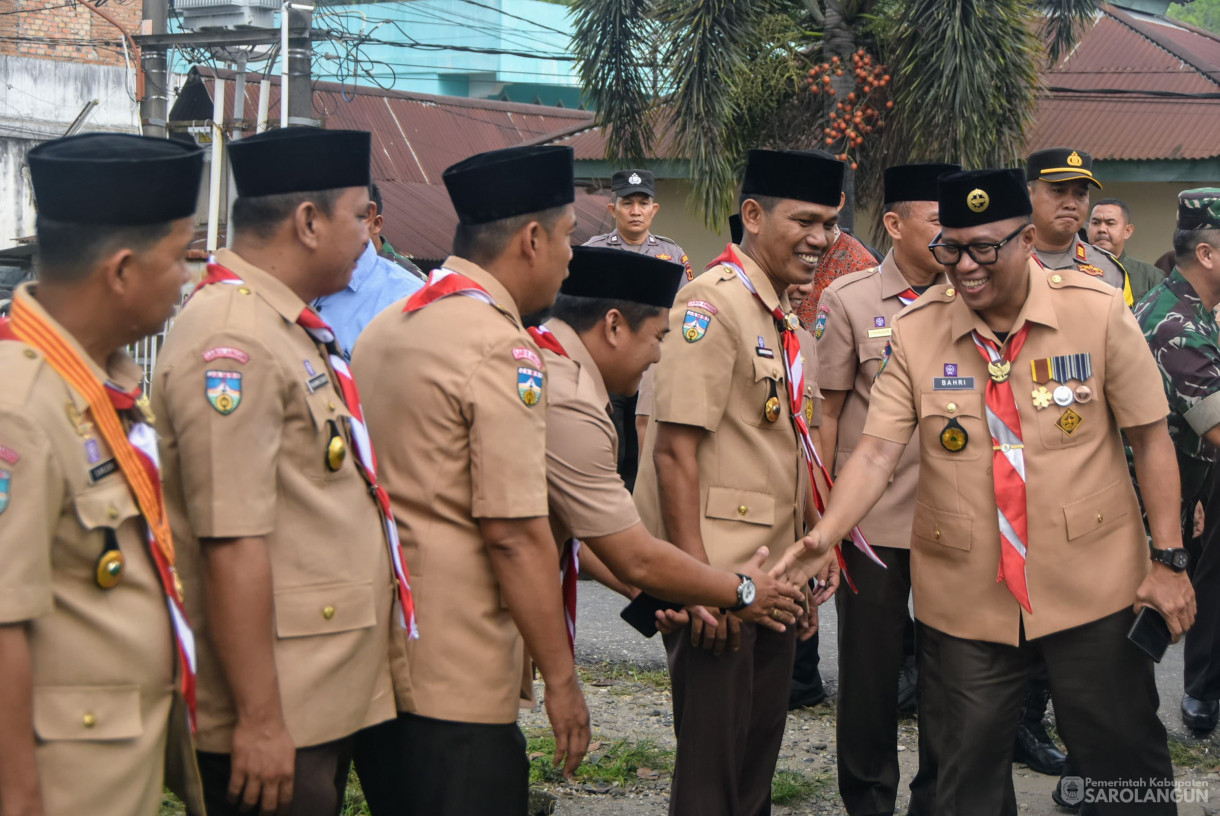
725,445
853,327
1023,476
609,318
456,397
285,555
95,654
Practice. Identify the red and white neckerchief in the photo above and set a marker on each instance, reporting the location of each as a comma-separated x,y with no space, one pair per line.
442,283
795,371
1008,462
569,557
908,296
366,459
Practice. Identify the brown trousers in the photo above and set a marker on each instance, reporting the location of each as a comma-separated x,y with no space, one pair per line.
729,715
1105,706
318,786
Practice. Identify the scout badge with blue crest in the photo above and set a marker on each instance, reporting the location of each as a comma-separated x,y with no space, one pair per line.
885,359
529,385
820,325
695,325
223,390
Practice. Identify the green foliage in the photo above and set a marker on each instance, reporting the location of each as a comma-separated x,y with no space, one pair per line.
1201,13
624,673
794,787
618,763
1192,755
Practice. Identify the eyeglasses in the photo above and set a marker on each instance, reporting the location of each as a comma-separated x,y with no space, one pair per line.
981,254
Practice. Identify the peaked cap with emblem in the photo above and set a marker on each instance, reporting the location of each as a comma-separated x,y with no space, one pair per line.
1199,209
915,182
975,197
603,272
115,179
629,182
801,175
300,160
1060,164
515,181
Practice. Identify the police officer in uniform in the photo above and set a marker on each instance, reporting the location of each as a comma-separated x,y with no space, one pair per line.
1023,476
456,395
96,658
286,556
726,443
854,323
1059,179
1180,326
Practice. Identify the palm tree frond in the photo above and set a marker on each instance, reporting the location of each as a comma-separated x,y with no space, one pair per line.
1065,20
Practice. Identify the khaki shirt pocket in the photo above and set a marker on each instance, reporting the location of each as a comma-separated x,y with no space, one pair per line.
107,504
1054,422
731,504
1097,511
91,713
941,527
768,382
937,409
871,353
324,610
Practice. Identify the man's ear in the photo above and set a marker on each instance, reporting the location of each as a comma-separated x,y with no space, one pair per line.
842,200
893,225
376,224
530,238
305,224
656,206
752,215
116,270
1128,230
612,328
610,207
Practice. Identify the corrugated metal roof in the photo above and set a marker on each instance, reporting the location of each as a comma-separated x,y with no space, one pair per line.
1118,94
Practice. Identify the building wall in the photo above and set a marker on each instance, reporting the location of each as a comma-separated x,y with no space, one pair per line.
66,32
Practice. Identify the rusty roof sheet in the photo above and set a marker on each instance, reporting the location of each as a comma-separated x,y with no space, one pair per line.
1135,87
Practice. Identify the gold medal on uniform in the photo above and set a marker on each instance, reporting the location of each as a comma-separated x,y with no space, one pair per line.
336,449
808,411
83,426
954,437
145,407
1069,421
771,409
999,370
1042,397
109,569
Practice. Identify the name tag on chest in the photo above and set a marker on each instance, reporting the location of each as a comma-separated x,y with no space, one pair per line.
317,381
875,333
953,383
103,469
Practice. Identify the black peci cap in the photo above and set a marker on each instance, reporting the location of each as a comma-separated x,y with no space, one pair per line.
115,179
602,272
975,197
515,181
628,182
915,182
300,160
802,175
1060,164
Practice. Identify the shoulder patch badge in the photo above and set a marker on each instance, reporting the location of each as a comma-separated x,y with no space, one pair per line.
820,325
529,385
694,326
6,479
1081,254
227,352
665,257
9,455
523,353
1089,269
223,390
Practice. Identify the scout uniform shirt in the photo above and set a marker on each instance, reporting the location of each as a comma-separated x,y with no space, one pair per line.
658,246
853,327
106,711
1086,258
1185,342
455,401
1086,548
254,442
721,364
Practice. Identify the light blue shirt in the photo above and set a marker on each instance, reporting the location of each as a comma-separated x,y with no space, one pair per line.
376,283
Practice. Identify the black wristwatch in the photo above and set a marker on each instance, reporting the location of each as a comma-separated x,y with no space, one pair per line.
1176,559
745,593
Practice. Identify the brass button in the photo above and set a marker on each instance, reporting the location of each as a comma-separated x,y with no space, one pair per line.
775,372
31,353
89,720
936,534
950,292
331,405
742,510
112,512
243,290
1099,518
951,407
328,612
1056,279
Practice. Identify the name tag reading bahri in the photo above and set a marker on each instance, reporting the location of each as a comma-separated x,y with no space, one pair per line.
953,383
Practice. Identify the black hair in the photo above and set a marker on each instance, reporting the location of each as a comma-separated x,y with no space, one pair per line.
768,203
900,208
375,197
262,214
67,252
1116,202
484,242
582,313
1185,242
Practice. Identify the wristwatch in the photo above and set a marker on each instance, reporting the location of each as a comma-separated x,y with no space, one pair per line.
1176,559
745,593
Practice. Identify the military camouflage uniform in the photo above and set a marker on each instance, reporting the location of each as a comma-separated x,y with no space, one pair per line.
658,246
391,254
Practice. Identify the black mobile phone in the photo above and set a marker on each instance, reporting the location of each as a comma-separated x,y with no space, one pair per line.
1150,633
642,612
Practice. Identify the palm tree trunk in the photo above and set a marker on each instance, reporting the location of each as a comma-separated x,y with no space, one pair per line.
839,40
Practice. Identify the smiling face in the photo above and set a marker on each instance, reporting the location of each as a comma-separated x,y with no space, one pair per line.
788,241
1060,208
995,290
633,215
1109,228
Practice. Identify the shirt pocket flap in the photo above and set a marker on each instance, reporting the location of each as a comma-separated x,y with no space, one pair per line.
105,505
942,527
324,610
324,404
951,404
731,504
87,712
1096,510
872,349
765,369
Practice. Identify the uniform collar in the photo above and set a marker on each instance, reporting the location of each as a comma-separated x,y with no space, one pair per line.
1038,308
766,289
575,347
271,289
617,238
504,301
893,282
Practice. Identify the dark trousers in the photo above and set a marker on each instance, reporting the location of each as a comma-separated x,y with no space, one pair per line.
1201,652
418,766
806,685
873,625
318,786
1105,705
622,413
729,715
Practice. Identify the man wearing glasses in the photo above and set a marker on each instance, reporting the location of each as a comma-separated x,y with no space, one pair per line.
1027,541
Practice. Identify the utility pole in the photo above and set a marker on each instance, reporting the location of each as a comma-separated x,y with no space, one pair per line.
154,107
300,54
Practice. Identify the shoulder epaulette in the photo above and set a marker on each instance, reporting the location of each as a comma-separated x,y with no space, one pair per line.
939,294
1071,278
847,280
21,370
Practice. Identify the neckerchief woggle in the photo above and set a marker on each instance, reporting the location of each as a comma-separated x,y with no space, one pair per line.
795,371
137,457
321,333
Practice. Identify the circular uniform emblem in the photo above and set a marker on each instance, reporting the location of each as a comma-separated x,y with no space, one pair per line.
1074,160
224,403
771,409
978,200
1063,396
791,322
692,334
336,452
110,569
953,438
634,178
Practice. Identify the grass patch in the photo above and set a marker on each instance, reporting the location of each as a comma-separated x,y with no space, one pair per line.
1192,755
617,762
623,673
792,787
